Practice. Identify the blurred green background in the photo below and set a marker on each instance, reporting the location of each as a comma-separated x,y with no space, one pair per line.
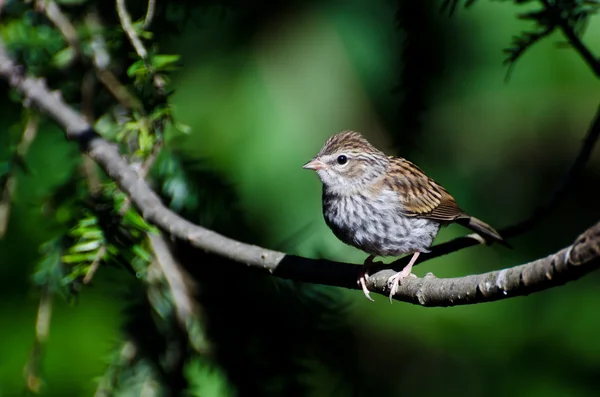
261,95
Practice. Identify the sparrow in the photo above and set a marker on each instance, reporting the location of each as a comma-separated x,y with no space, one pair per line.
384,205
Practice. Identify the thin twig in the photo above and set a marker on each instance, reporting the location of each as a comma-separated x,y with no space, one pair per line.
2,4
127,25
179,282
118,90
101,57
95,265
101,61
572,37
150,160
10,184
149,13
42,329
137,44
177,279
569,264
90,172
60,20
108,382
143,171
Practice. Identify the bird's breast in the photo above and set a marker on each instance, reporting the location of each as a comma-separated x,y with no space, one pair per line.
376,224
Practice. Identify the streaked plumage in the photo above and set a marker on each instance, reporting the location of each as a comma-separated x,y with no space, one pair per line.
384,205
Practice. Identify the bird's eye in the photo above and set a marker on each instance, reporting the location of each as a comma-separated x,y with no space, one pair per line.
341,160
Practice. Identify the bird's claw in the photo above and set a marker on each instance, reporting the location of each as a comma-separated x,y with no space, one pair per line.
362,281
394,281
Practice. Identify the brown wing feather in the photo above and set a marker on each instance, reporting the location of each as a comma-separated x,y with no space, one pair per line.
420,195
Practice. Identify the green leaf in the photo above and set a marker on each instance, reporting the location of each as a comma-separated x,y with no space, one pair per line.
93,234
138,68
87,246
78,258
164,62
184,128
106,126
50,269
89,221
142,253
63,58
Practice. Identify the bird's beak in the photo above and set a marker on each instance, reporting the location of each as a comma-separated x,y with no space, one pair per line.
314,165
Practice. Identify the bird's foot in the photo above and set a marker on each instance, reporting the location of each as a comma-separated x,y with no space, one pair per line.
394,281
364,276
362,281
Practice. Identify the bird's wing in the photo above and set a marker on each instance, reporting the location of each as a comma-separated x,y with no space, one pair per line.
420,195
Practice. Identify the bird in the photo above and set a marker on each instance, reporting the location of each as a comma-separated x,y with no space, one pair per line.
384,205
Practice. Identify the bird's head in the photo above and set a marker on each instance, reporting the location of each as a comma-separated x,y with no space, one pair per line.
347,162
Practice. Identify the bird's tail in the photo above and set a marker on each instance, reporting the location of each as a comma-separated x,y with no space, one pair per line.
483,229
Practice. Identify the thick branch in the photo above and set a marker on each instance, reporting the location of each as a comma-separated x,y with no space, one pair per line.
566,265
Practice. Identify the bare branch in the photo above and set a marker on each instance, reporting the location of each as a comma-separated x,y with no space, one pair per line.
56,16
118,90
125,358
137,44
568,264
100,55
149,13
150,160
42,329
127,25
143,171
573,37
2,3
101,61
177,279
95,265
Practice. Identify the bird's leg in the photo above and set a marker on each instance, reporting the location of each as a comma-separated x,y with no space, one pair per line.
396,278
364,276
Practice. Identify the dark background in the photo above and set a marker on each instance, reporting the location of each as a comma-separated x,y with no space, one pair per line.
262,89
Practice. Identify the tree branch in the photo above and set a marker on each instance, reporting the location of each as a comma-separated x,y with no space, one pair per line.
60,20
136,42
177,279
568,264
149,13
562,188
572,36
127,25
42,330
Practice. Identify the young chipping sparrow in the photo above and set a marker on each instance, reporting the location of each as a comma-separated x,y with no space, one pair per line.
384,205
